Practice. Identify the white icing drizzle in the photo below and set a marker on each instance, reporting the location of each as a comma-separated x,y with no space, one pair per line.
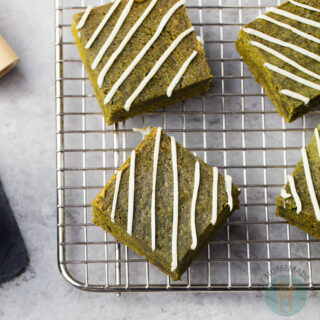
124,43
288,27
102,24
156,67
193,205
316,133
180,73
292,76
295,95
143,131
282,43
228,185
174,242
294,17
311,190
131,193
294,193
113,34
285,194
154,181
84,18
305,6
228,182
285,59
214,195
200,40
141,54
115,195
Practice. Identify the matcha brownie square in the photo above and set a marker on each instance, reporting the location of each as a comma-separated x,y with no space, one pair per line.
165,203
140,56
299,200
281,49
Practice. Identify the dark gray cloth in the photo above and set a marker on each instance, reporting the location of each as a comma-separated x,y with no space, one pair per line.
13,254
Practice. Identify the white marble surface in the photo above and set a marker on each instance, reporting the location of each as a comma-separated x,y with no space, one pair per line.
27,169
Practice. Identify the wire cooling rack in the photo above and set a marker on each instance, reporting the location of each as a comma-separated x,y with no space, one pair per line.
234,126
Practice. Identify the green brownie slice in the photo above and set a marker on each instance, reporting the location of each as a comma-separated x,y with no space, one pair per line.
145,56
299,200
184,221
281,49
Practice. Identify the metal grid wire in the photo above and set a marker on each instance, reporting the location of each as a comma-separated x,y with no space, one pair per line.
234,126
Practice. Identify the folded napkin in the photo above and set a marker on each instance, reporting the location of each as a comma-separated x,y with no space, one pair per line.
13,254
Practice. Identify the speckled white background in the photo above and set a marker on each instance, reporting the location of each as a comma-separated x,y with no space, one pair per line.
27,169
